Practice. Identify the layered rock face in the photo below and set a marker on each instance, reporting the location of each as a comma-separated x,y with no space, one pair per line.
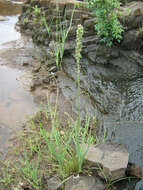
105,71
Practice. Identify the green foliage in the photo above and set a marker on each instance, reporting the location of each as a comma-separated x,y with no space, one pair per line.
65,148
36,10
6,179
62,30
107,26
29,171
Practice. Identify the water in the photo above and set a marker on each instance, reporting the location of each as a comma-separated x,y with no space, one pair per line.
133,106
7,30
16,103
128,129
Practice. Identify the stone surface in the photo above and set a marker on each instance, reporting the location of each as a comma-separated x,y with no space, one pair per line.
134,170
112,156
53,183
132,14
84,183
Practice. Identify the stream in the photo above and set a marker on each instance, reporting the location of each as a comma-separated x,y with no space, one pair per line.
128,129
16,103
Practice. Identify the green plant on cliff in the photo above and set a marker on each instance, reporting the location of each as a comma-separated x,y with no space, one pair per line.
107,25
36,10
62,31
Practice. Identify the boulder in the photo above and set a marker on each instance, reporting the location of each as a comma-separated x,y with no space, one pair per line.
53,183
112,156
84,183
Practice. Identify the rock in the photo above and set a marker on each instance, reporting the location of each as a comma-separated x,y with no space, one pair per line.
53,183
112,156
46,80
134,170
53,69
89,23
37,68
25,64
131,41
84,183
132,15
77,13
2,18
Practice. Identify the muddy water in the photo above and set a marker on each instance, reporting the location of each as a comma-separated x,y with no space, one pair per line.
7,30
16,103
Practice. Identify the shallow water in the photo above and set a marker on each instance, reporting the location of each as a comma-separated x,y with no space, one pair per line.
128,129
7,30
16,103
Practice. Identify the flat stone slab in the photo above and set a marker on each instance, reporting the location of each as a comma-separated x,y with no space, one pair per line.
112,156
84,183
54,183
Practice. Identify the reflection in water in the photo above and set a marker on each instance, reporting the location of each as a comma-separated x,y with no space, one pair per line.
7,30
15,103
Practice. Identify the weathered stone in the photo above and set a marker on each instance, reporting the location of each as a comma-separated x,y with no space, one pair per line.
70,4
53,69
112,156
54,183
76,13
134,170
92,39
84,183
131,40
132,14
89,23
37,68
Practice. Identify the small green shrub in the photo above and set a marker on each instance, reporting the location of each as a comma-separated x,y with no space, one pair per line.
107,26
